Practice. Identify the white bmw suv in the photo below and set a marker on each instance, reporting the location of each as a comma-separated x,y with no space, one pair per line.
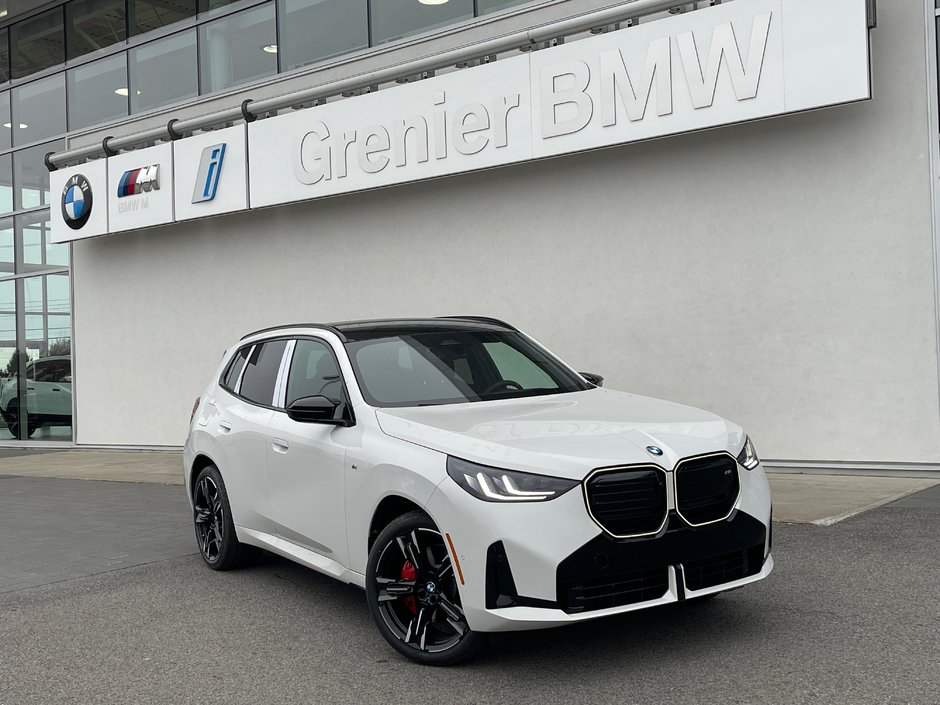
468,479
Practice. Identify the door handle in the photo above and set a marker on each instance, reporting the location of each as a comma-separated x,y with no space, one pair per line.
224,426
280,445
30,389
56,389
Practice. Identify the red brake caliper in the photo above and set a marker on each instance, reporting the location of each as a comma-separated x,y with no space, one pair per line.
408,572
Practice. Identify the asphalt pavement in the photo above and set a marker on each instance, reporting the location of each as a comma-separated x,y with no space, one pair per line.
850,615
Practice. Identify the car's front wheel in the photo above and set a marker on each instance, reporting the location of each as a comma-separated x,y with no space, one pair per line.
411,587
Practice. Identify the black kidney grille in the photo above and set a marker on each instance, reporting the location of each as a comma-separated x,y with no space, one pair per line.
706,488
614,590
725,568
628,502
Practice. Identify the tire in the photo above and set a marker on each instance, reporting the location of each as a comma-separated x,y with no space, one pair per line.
12,417
411,589
215,530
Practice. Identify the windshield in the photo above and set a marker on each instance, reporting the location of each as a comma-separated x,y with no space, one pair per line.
424,368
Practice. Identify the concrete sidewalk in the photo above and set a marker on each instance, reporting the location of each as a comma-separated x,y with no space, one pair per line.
798,498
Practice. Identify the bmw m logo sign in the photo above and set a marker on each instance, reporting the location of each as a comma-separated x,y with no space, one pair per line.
137,181
76,201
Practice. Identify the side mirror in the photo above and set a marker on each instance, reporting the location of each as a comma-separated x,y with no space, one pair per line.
316,409
594,379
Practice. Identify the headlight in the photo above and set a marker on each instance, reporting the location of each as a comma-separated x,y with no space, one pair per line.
748,456
496,485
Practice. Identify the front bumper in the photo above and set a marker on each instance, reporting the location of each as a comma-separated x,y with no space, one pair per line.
546,564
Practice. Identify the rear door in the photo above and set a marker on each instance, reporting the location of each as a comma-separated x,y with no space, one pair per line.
306,460
245,405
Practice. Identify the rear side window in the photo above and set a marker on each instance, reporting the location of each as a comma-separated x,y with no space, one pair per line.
261,372
230,378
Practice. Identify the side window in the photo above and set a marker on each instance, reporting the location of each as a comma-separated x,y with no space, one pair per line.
63,371
230,378
313,372
261,372
42,371
515,366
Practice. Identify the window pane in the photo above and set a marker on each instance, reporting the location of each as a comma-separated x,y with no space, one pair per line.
313,372
4,58
206,5
7,253
484,6
238,48
39,109
163,72
393,19
39,252
515,366
8,357
38,43
154,14
6,183
47,400
261,372
94,25
97,92
6,124
312,30
230,379
31,176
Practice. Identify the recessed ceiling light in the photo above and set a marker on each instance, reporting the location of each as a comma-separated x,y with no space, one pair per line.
124,92
3,13
432,2
269,48
9,126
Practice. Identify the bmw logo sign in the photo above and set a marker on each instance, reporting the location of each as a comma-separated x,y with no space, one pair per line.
655,450
76,201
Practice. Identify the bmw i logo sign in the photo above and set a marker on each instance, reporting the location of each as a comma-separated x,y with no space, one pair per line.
76,201
655,450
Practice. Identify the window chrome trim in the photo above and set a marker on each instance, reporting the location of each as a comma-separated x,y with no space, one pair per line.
675,486
280,384
618,468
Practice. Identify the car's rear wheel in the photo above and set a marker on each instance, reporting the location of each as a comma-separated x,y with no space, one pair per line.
411,587
215,530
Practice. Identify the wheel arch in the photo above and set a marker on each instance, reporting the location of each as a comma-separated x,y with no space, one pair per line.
390,508
199,462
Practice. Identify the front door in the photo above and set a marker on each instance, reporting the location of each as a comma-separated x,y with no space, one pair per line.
306,460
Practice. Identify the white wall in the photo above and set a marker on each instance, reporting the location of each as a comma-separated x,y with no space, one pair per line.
779,273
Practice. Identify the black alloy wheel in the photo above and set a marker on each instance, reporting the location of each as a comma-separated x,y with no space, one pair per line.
413,596
12,417
215,530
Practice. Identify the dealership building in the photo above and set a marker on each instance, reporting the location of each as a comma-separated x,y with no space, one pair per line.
730,204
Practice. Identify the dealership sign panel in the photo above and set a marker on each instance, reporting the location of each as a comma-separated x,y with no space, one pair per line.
739,61
734,62
210,174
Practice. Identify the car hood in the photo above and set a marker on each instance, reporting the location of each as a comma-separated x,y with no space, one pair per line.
566,435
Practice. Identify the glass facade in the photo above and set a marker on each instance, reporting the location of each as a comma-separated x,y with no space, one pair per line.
394,19
127,57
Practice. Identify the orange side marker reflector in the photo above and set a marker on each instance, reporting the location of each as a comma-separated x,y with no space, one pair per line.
453,552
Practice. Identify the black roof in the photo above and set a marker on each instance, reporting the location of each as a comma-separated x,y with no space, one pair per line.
360,330
363,330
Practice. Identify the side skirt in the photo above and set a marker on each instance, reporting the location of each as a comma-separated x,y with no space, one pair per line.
300,555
